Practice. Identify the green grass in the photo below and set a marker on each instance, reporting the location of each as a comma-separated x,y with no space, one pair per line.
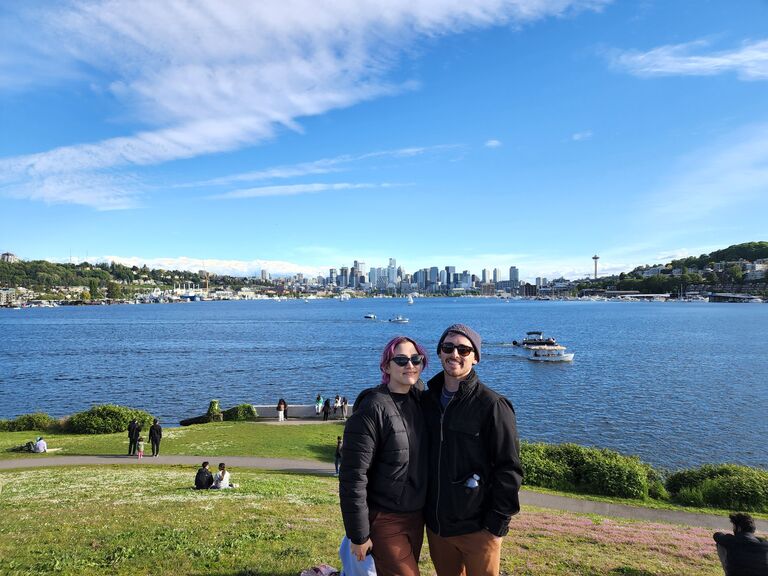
147,520
303,442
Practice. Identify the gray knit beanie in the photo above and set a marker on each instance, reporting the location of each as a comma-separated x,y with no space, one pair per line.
465,331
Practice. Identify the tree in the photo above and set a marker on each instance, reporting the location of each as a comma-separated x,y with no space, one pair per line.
93,289
735,273
114,291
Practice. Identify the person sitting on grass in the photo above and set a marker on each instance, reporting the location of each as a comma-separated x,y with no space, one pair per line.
742,553
221,478
203,478
40,445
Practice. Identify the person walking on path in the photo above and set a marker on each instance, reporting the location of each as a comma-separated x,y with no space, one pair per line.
742,553
155,435
326,409
134,431
280,410
383,475
474,462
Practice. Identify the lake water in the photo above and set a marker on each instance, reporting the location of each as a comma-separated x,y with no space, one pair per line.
678,384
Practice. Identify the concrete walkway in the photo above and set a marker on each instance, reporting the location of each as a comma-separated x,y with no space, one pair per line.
527,497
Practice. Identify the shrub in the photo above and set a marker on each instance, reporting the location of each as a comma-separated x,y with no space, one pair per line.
5,425
107,419
240,413
35,421
214,412
721,485
574,467
541,470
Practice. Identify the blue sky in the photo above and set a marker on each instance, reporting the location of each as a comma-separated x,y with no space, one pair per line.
302,135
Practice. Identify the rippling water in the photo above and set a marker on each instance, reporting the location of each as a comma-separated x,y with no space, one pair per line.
677,384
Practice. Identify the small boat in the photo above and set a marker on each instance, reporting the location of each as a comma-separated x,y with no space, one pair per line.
535,346
410,299
399,319
370,316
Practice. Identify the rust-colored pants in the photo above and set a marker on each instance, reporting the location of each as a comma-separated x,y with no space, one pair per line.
397,540
475,554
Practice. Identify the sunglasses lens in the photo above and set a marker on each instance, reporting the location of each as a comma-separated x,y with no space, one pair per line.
403,360
449,347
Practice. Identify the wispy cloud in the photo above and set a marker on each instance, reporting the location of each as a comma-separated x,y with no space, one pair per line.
206,77
322,166
749,61
492,143
293,190
728,176
579,136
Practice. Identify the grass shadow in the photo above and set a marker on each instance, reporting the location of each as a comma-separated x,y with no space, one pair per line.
629,571
324,452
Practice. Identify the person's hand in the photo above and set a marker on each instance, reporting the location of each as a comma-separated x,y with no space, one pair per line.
359,551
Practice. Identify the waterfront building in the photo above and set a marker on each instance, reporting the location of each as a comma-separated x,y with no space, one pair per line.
496,275
485,276
8,257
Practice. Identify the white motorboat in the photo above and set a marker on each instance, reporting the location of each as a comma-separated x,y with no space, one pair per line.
399,319
535,346
370,316
410,299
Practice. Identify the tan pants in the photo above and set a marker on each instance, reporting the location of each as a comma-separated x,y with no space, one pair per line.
475,554
397,540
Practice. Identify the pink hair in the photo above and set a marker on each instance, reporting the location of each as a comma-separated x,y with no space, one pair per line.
389,353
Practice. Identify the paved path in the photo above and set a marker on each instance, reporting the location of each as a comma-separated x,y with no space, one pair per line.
527,497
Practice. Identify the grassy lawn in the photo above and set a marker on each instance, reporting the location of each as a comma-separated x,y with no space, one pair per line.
304,442
118,520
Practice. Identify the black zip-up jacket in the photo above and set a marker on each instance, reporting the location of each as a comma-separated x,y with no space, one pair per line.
477,434
375,462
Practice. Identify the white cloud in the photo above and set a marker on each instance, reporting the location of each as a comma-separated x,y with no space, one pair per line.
293,190
213,76
493,143
322,166
750,61
578,136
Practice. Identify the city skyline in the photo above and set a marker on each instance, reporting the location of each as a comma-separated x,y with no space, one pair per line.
298,137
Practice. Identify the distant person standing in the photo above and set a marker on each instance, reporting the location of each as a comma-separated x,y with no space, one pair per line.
742,553
326,409
140,447
318,404
155,435
337,456
336,404
134,431
281,410
344,407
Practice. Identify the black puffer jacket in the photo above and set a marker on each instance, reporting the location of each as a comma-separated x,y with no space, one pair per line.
477,434
375,462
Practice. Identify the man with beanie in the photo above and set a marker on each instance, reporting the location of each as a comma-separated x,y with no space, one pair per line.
474,462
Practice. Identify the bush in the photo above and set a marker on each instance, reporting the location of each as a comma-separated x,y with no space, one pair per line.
722,486
214,412
5,425
541,470
240,413
35,421
573,467
107,419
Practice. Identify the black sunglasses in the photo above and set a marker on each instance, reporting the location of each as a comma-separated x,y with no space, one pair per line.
449,347
416,360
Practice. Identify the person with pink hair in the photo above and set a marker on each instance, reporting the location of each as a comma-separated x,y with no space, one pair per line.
382,481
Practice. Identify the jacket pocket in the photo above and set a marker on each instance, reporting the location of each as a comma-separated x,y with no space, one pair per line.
467,501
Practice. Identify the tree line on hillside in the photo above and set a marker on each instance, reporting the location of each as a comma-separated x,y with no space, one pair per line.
42,275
